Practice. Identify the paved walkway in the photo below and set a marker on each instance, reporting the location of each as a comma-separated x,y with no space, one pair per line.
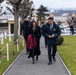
24,66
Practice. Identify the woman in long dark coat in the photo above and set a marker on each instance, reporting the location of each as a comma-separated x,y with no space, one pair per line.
36,31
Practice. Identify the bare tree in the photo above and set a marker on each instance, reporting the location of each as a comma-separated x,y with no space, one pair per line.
1,1
20,8
25,8
15,4
1,7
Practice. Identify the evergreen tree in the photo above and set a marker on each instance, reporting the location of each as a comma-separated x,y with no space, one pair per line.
42,12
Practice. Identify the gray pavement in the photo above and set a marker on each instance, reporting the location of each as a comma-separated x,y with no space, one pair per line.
24,66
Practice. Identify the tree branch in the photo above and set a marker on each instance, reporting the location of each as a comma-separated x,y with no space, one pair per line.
10,10
19,1
3,13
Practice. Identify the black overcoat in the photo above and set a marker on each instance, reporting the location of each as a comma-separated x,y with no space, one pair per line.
37,34
55,30
24,29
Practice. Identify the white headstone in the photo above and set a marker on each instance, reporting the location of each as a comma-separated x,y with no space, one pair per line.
5,35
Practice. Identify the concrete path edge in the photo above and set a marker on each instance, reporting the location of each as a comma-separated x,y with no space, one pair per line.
13,63
20,55
64,64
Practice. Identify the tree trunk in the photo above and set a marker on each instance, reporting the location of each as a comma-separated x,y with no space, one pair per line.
16,24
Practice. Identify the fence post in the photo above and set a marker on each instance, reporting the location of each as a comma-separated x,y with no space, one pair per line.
0,65
7,53
17,46
23,41
9,36
2,39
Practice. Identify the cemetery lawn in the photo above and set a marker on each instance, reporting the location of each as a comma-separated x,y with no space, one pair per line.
3,59
68,53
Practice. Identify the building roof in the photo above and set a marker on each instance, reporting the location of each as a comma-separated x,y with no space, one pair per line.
5,14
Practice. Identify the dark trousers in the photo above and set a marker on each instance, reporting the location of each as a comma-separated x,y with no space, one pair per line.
25,38
72,32
33,54
51,51
45,41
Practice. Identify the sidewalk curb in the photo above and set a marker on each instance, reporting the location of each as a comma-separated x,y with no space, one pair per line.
13,62
23,51
64,64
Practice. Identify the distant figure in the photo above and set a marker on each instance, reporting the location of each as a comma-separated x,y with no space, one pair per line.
36,32
52,32
71,29
24,29
43,28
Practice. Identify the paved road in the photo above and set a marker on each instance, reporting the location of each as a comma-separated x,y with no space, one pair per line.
24,66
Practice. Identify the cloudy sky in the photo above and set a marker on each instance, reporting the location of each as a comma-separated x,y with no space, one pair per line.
55,3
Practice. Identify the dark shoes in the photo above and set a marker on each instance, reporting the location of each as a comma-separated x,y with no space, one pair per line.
54,59
36,58
49,63
33,62
28,56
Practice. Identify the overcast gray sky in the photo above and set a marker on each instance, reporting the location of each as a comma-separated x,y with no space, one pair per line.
56,3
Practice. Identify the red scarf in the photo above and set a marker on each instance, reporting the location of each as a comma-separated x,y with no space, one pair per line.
31,42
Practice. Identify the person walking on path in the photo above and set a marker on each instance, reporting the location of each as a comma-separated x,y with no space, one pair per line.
24,30
71,29
52,32
45,39
36,32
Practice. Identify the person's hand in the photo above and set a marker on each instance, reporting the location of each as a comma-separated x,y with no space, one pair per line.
51,36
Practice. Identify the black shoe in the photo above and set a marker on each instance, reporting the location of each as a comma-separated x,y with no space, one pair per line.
49,63
28,56
36,58
54,59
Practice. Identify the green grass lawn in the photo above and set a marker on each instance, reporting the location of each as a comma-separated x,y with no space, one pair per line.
4,63
68,52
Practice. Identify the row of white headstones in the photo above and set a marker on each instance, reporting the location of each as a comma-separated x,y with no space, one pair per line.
4,36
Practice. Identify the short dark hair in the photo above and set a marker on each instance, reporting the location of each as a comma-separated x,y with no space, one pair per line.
51,18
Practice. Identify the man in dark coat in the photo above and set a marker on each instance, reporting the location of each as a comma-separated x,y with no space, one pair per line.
24,29
52,32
